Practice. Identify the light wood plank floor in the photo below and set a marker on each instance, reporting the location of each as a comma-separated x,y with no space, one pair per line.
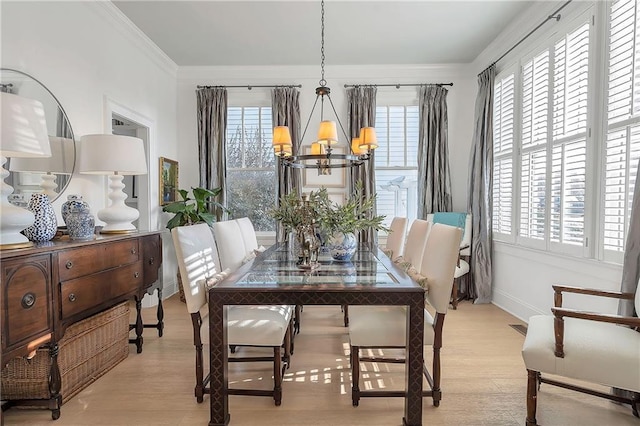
484,381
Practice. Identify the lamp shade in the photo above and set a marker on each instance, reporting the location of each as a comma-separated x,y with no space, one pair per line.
317,148
368,138
281,136
355,147
283,150
24,128
109,154
327,133
60,162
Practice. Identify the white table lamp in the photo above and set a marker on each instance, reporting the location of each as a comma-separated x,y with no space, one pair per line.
60,163
116,156
23,133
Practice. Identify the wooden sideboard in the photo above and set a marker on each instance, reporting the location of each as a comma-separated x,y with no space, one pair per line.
48,287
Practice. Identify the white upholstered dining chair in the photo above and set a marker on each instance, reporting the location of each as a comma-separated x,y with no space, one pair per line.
197,256
395,238
592,347
464,221
382,327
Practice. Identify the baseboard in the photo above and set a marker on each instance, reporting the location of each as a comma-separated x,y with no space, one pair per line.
516,307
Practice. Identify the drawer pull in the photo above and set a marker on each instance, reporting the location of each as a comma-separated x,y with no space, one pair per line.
136,274
151,260
28,300
69,265
72,297
133,251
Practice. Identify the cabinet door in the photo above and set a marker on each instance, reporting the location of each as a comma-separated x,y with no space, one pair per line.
27,315
152,258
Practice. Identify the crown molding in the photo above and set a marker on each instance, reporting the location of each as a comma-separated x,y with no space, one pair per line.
129,30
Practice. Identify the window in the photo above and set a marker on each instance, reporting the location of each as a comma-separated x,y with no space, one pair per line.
251,175
396,163
503,134
622,148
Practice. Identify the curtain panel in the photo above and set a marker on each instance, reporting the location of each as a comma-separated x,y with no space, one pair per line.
362,113
285,107
480,196
212,130
434,177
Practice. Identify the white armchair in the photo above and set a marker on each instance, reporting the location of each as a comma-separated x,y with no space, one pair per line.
587,346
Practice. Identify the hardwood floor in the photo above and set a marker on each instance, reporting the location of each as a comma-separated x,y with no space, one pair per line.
483,381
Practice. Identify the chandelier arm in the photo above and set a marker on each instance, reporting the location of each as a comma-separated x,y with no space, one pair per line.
309,119
340,123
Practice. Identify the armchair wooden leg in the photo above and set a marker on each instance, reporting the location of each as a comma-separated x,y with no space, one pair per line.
277,376
532,396
355,375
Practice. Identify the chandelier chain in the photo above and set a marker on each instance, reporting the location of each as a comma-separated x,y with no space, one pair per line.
322,81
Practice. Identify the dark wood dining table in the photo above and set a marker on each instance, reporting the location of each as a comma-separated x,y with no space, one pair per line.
273,278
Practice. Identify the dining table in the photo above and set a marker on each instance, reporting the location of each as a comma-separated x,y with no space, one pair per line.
274,277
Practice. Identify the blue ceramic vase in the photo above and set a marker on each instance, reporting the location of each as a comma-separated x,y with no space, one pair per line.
343,246
80,222
45,225
72,200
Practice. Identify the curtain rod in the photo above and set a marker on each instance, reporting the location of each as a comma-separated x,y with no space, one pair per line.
250,86
397,86
554,15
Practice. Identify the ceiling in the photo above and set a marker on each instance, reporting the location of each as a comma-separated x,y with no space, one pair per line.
236,33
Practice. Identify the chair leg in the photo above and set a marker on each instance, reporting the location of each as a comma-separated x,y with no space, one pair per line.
532,396
277,376
345,309
288,345
297,320
437,394
197,342
454,293
355,375
635,404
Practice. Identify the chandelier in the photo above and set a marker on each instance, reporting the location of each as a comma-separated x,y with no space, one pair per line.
322,156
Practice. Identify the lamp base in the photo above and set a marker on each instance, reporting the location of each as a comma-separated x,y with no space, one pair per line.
118,216
13,219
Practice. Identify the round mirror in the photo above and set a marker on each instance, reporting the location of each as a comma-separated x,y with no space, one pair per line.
33,175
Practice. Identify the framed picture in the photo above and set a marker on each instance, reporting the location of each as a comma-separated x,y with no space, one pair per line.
337,178
168,181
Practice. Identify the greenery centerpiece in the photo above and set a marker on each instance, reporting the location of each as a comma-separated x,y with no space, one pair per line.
337,223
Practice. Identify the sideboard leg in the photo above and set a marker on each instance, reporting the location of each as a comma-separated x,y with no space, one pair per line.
139,324
55,382
160,313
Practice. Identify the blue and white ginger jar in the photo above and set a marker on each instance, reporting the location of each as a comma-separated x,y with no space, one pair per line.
80,222
72,200
343,246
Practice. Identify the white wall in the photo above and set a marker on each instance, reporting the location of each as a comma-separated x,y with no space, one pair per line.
523,277
460,102
85,54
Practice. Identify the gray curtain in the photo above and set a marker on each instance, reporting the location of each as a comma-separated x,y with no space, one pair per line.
285,107
434,177
480,198
212,129
362,113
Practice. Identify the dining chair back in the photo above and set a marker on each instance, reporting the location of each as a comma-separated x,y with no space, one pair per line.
395,238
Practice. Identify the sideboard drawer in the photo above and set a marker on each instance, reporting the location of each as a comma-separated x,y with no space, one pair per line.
84,293
88,260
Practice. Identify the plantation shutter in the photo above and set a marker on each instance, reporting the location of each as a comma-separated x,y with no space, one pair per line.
569,152
623,125
535,107
503,134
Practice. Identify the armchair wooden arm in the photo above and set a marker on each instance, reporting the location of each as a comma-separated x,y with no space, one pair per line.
560,313
558,289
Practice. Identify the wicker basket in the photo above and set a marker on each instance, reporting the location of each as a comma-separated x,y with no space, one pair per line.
89,349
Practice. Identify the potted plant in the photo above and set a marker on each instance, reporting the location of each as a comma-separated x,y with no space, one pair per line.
189,211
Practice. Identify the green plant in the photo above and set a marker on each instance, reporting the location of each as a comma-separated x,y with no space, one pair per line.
189,211
353,216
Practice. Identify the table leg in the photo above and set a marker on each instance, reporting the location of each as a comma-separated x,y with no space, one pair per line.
218,400
414,363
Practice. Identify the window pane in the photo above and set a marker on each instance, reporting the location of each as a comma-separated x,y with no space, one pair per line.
252,194
533,195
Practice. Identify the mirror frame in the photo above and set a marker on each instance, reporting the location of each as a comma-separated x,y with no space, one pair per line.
14,175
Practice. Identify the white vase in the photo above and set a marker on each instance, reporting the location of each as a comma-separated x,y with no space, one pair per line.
343,246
